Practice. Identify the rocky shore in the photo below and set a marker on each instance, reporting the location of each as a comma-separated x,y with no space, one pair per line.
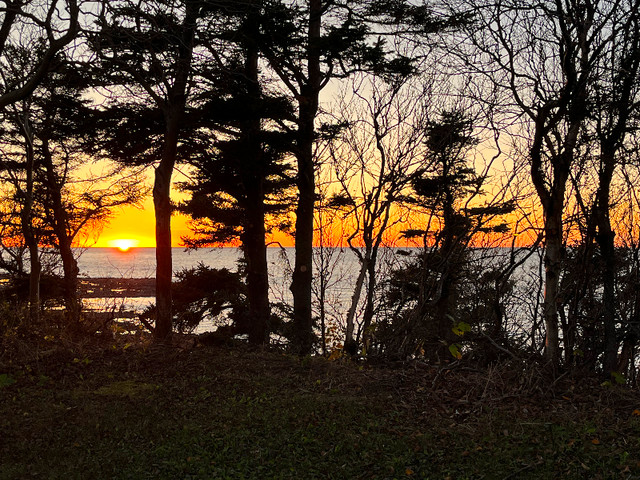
117,287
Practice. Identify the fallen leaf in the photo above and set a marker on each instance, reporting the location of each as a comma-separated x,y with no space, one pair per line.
595,441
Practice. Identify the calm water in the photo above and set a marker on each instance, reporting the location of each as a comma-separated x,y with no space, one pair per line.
343,265
141,262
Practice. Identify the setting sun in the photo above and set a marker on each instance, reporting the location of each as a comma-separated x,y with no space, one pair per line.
124,244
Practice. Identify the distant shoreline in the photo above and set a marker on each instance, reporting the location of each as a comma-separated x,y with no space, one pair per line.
108,287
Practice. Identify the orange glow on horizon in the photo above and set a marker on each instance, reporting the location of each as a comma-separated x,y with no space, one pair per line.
136,227
139,224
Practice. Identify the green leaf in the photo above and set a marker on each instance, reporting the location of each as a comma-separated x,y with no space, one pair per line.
618,378
6,380
455,351
461,328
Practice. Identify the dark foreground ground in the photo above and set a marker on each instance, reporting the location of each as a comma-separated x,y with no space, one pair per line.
126,410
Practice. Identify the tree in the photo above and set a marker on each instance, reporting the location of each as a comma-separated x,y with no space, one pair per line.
374,159
625,222
542,59
307,44
19,165
427,294
57,24
148,49
73,203
615,108
328,260
242,176
49,130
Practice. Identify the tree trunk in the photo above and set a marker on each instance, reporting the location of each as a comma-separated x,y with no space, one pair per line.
303,273
308,108
35,269
255,252
350,344
552,199
162,205
253,173
553,268
606,239
60,221
606,243
28,231
173,110
450,256
367,318
322,294
70,271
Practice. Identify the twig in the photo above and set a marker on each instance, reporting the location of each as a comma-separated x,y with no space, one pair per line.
556,381
147,325
502,349
486,386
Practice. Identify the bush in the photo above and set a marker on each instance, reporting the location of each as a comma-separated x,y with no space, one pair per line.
203,293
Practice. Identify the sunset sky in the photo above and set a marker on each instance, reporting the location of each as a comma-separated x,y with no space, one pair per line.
139,224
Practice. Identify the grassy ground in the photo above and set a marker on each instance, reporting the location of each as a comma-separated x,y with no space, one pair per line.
164,412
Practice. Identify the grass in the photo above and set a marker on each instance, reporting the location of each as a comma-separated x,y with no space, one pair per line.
163,412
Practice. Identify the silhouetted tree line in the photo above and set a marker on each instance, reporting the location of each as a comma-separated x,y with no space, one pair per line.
488,134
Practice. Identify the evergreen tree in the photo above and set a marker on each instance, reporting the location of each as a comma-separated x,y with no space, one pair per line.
241,179
49,130
428,291
147,50
307,44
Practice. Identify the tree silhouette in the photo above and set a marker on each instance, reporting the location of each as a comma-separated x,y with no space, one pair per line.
241,179
427,294
307,44
49,129
542,62
23,20
148,49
